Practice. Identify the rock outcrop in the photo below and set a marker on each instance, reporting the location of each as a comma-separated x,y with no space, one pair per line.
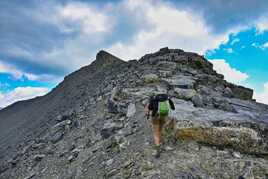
92,125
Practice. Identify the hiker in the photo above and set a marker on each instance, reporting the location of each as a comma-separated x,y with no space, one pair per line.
158,110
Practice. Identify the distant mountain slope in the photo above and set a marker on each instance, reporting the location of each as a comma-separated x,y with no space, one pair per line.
27,119
93,125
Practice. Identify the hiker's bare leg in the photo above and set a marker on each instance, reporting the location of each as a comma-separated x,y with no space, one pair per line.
156,130
162,122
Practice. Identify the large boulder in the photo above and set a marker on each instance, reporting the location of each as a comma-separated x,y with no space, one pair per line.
150,78
228,92
198,100
241,92
245,140
185,94
181,81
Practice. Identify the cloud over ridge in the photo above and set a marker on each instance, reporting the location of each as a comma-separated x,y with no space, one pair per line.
230,74
21,93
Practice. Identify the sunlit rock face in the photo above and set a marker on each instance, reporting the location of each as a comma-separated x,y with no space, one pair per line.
93,125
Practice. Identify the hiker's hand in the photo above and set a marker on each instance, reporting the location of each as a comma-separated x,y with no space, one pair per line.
146,109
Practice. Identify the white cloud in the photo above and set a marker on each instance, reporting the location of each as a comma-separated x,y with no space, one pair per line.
19,52
21,93
236,40
17,74
264,46
229,50
88,28
83,17
262,24
85,26
255,45
230,74
6,68
169,27
262,97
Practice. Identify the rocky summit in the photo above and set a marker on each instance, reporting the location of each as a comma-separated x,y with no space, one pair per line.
92,125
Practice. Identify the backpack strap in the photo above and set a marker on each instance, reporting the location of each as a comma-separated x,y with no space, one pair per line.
171,104
153,105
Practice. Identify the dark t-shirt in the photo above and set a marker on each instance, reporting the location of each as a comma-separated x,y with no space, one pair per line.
154,100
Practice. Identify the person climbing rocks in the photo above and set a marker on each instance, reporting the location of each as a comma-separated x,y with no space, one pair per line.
158,109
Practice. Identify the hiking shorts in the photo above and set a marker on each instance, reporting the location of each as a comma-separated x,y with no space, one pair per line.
159,120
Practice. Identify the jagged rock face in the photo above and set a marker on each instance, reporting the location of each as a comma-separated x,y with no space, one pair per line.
93,124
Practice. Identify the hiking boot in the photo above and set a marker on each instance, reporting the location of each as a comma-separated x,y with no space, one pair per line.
157,151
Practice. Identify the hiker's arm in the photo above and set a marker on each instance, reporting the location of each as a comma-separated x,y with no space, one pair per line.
172,106
147,111
146,108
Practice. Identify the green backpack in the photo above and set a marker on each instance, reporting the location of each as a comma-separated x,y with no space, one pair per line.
163,108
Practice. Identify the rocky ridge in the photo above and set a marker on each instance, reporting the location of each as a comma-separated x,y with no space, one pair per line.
93,126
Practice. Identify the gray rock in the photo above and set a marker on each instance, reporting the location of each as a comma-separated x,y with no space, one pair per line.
71,147
197,101
114,93
245,140
236,154
112,106
165,73
222,104
56,137
67,114
31,175
131,110
180,81
110,128
150,78
184,175
228,93
168,66
13,161
39,146
39,157
186,94
74,155
241,92
109,162
71,158
227,107
126,131
62,117
61,124
204,90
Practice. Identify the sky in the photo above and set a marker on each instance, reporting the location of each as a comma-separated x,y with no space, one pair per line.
42,41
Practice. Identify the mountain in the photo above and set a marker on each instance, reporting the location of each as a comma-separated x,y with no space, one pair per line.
92,125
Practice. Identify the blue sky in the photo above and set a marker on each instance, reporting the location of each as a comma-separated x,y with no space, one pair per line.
42,41
247,52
